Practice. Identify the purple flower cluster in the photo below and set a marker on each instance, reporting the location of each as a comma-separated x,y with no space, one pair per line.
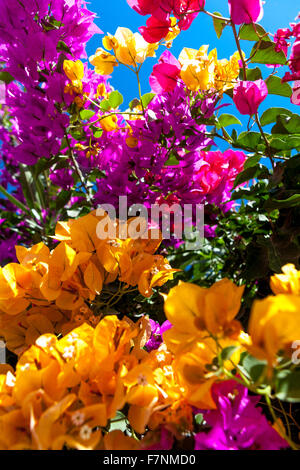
237,423
167,163
36,36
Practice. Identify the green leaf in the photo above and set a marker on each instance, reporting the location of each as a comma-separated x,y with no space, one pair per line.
234,135
105,105
86,114
270,115
62,199
134,103
63,162
253,74
285,142
249,140
13,200
276,87
227,352
119,422
292,201
265,53
252,161
115,99
51,24
77,133
97,132
26,182
229,92
172,160
250,173
290,123
62,47
250,32
287,386
227,120
147,98
6,77
279,128
46,163
242,193
199,418
219,24
253,366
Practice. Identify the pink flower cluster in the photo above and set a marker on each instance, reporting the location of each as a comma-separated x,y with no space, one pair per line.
159,23
294,59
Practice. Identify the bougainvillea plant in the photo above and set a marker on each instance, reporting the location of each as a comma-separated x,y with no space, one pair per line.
120,331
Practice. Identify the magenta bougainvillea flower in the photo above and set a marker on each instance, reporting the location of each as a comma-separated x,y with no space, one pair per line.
280,40
245,11
237,424
165,74
157,26
294,59
247,96
144,7
157,331
155,29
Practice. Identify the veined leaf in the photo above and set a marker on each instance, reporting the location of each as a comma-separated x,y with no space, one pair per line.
227,120
219,24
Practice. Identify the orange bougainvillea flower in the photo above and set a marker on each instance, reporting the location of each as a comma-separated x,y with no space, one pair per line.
203,71
109,123
116,440
71,276
50,394
288,282
193,310
274,325
157,275
74,70
103,61
129,48
14,280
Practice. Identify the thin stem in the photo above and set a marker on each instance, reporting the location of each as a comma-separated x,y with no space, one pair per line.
207,134
39,191
78,171
286,419
239,49
140,90
265,139
217,17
